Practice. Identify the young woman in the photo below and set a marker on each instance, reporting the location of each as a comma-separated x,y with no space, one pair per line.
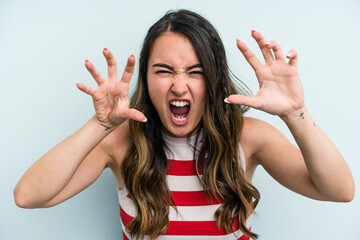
181,151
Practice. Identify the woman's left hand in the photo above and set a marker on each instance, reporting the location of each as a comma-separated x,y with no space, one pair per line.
280,92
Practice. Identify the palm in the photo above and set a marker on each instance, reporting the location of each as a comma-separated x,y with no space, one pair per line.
280,87
111,98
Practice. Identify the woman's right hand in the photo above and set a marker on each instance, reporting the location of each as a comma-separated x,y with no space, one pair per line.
111,98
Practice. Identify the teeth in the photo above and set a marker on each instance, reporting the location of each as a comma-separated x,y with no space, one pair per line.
179,103
179,119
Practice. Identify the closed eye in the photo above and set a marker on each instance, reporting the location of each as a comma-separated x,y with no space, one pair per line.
197,73
162,72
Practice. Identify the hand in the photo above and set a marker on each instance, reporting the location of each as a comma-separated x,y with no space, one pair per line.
111,99
280,92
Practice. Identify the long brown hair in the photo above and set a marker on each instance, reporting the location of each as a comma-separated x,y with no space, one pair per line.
144,168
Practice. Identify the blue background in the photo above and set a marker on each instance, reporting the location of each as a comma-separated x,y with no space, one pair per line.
43,45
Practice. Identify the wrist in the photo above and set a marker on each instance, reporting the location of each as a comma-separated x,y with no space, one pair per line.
300,122
295,115
106,126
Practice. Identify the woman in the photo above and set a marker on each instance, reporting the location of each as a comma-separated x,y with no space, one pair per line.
181,152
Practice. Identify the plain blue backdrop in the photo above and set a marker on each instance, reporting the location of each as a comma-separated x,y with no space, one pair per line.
43,45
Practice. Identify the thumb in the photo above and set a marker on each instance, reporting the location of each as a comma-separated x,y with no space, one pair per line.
243,100
136,115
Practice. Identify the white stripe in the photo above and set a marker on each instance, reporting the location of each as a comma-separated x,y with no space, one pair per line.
231,236
175,183
128,206
185,213
182,152
184,183
194,213
122,193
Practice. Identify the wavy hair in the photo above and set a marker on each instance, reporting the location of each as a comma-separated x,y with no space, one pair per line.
145,164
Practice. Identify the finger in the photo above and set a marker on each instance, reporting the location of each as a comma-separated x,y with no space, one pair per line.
129,69
94,73
292,56
249,56
136,115
85,89
261,42
244,100
276,49
112,66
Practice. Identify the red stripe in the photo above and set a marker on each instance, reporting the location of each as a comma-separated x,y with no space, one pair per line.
124,236
125,218
196,228
181,168
196,198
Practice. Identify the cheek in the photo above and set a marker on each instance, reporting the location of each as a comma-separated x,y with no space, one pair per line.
199,93
202,92
157,90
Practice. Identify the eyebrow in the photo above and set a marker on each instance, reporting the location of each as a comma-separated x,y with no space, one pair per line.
172,69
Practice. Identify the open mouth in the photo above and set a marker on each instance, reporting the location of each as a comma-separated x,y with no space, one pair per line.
179,111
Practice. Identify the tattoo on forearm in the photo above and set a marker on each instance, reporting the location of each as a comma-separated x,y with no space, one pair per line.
301,115
106,127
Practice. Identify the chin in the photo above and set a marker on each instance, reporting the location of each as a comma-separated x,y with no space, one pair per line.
176,132
181,131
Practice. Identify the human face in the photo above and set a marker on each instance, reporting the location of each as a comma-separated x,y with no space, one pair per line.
176,84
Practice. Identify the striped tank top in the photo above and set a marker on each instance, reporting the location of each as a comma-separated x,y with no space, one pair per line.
195,217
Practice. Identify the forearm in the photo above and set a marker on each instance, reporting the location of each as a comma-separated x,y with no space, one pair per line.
327,168
50,174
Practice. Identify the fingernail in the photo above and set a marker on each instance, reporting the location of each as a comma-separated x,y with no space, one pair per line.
145,120
226,100
288,55
267,43
252,31
106,49
86,60
238,40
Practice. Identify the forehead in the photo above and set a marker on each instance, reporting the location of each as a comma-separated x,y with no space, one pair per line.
173,49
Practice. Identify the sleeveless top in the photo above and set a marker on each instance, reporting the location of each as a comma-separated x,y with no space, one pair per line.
195,218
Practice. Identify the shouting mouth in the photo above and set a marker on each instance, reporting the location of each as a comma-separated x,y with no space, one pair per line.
179,111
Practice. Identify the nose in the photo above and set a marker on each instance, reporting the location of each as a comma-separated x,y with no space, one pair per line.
179,87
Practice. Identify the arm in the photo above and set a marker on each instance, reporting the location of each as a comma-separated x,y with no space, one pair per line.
77,161
286,164
65,170
327,168
318,171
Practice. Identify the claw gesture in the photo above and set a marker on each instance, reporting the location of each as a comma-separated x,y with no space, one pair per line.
280,91
111,98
